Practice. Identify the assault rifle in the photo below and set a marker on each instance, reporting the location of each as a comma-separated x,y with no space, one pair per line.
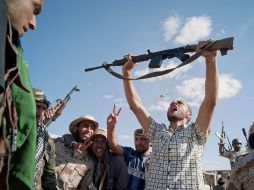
61,103
222,136
157,57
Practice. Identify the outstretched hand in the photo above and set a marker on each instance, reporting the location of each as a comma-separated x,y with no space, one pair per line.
129,64
113,117
81,147
202,45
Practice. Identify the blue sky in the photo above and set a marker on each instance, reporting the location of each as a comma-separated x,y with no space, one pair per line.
73,35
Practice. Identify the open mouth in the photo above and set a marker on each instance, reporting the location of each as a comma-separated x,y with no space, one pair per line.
173,108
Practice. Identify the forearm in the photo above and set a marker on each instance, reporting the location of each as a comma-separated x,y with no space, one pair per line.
212,81
211,92
131,93
135,102
112,142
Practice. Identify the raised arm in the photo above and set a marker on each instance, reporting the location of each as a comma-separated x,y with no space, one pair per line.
221,148
133,97
211,90
111,134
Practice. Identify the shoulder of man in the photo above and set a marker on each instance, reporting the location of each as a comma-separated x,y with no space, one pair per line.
244,158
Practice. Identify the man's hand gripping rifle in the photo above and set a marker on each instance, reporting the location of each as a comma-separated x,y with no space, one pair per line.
222,137
58,108
156,58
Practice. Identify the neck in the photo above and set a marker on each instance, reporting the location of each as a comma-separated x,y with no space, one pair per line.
147,153
174,125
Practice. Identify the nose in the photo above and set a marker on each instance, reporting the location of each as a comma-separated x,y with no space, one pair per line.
32,23
174,103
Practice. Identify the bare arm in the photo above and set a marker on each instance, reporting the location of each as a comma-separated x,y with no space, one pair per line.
133,97
111,134
211,92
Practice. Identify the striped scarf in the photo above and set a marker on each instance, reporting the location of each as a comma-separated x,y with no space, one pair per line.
42,144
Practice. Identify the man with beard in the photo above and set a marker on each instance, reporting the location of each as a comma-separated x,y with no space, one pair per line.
242,175
177,150
231,155
72,163
135,159
44,177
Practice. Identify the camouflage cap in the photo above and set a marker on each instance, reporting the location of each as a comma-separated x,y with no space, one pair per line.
40,96
99,131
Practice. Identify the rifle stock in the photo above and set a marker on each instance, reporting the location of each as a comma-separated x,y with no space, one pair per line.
223,45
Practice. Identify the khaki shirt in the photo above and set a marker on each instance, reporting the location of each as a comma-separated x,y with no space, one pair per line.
232,155
70,168
242,176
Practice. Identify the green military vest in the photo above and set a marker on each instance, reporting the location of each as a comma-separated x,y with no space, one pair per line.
22,163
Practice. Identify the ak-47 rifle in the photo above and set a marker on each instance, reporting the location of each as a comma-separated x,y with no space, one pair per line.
222,137
61,103
157,57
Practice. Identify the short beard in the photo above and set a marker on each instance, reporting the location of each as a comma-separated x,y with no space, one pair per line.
237,149
175,118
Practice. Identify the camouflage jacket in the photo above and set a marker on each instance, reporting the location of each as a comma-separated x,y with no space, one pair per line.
70,168
242,176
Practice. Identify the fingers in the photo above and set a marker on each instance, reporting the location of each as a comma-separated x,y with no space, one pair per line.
128,57
114,111
119,111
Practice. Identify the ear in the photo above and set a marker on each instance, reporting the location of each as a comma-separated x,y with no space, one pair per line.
188,116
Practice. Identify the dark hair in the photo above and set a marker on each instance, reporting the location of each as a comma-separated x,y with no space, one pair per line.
251,140
221,181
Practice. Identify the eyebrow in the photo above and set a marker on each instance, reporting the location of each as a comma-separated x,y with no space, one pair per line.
37,8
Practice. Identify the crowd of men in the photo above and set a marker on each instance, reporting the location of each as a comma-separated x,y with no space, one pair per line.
90,156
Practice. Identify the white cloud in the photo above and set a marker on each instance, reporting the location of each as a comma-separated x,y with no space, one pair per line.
196,28
125,137
178,73
171,27
108,96
120,102
193,89
229,86
160,106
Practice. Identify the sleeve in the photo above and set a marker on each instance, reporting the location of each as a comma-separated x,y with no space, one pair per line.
127,151
154,128
120,178
196,131
68,140
49,177
226,153
51,164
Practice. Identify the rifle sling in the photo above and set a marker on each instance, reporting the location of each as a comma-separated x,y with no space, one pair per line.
159,73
